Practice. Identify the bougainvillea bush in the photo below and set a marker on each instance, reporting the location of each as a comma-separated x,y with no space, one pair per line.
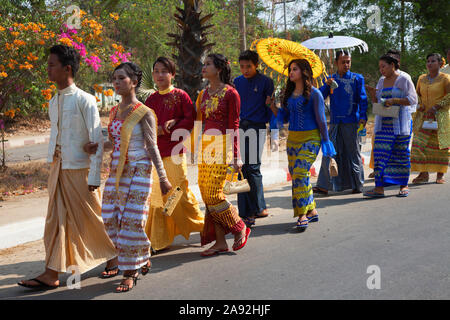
25,40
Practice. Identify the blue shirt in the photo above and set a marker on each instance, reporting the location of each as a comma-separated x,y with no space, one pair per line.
253,93
348,103
304,116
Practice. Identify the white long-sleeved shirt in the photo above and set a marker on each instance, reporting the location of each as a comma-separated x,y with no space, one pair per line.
404,89
75,121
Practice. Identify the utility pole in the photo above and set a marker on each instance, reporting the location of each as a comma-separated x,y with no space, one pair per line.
284,12
402,27
242,27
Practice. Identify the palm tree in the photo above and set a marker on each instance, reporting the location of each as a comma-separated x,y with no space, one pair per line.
192,46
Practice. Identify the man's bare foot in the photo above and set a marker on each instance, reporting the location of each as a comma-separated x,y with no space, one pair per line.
440,178
264,213
49,277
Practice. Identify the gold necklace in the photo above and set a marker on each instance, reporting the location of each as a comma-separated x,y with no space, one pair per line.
127,109
216,91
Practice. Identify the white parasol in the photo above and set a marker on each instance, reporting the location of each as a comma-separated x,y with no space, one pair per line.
336,42
330,43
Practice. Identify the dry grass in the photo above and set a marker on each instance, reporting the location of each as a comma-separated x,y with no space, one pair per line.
24,177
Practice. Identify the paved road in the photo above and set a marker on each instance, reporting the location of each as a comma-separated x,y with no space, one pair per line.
406,238
27,153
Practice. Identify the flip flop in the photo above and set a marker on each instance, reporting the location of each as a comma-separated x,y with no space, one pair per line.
314,218
403,193
247,234
41,285
301,225
319,191
212,252
249,222
262,214
373,194
107,276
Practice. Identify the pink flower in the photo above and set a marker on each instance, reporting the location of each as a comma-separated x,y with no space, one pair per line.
114,59
94,62
81,48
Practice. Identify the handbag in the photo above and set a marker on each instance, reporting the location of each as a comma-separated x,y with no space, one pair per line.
380,110
430,125
237,186
173,198
333,168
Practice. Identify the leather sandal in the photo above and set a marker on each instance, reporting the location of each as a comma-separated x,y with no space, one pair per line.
111,275
145,269
373,194
419,180
319,191
126,287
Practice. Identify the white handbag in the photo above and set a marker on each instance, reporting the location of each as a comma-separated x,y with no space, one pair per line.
238,186
430,125
380,110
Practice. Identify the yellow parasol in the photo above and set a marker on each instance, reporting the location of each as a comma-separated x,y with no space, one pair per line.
278,53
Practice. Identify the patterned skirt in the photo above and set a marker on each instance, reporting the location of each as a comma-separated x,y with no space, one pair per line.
212,173
125,213
391,156
302,148
426,155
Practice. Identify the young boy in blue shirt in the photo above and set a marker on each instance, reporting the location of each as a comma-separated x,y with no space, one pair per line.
254,89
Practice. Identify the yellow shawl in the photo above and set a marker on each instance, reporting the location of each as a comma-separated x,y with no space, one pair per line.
133,118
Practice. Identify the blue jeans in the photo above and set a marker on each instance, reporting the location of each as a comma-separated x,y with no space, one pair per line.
252,143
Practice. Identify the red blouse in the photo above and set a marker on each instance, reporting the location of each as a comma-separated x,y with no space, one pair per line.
221,111
173,105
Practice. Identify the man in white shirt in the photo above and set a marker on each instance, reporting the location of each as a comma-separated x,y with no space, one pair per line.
75,238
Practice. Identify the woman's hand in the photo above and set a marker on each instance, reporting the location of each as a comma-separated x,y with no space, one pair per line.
169,125
389,102
270,101
432,111
165,187
237,164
